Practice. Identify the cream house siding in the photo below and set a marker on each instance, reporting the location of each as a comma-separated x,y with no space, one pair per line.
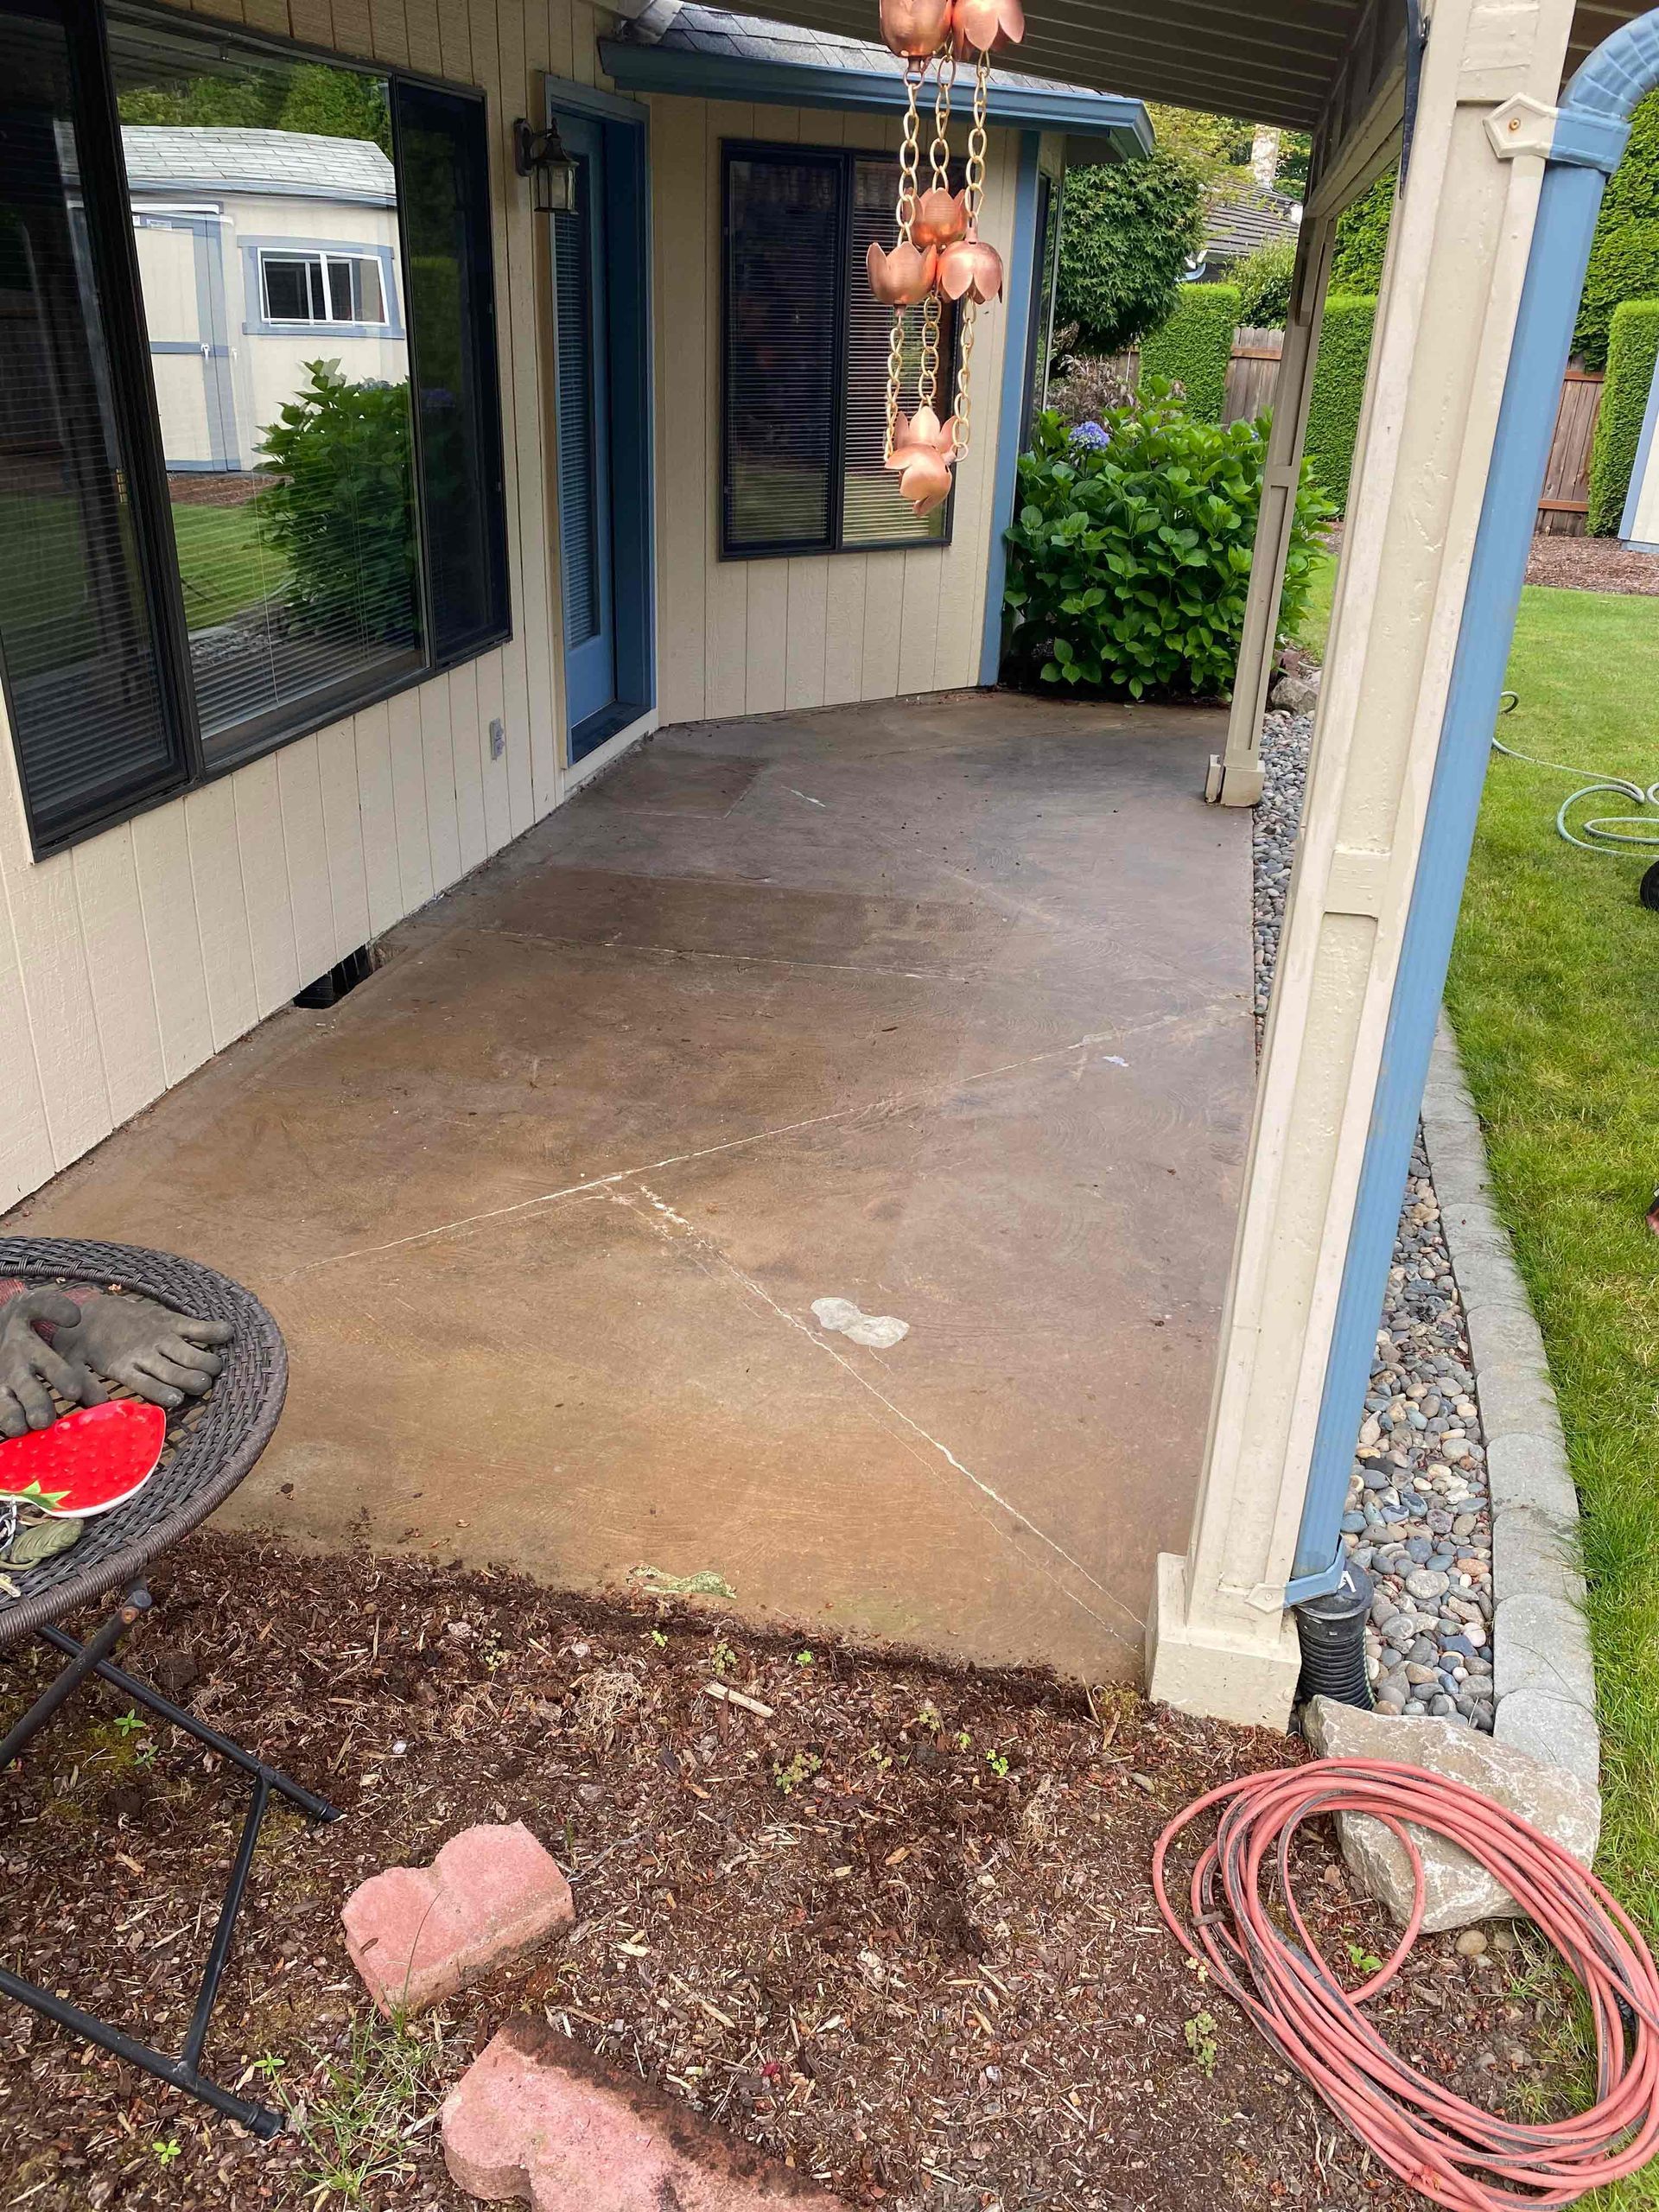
129,961
753,637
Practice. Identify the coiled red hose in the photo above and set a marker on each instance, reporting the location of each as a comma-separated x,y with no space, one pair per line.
1437,2142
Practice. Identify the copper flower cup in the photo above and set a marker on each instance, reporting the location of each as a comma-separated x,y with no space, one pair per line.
913,30
923,451
978,25
924,478
970,270
941,218
902,276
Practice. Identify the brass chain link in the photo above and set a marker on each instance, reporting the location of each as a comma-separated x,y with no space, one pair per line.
973,192
909,165
927,376
939,151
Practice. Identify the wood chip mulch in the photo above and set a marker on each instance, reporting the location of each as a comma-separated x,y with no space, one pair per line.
1575,564
1593,564
900,1932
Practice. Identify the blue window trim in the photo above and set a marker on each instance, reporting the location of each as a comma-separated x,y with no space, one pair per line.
1100,126
1022,294
256,324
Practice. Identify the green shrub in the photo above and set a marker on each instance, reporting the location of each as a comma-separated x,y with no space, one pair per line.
1192,349
1129,555
1338,390
340,506
1264,284
1632,350
1623,265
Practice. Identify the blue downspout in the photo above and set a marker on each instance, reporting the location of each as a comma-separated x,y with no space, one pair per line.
1590,134
1020,293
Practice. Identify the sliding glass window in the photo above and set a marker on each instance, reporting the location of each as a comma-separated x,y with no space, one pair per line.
265,214
250,464
79,632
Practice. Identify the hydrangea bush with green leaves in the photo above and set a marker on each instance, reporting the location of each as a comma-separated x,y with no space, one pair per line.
1129,557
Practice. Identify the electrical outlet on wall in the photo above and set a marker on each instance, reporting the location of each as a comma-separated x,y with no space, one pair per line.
498,739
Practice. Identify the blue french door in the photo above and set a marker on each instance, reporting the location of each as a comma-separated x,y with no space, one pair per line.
581,260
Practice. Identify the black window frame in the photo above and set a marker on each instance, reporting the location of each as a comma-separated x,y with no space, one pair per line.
832,545
113,249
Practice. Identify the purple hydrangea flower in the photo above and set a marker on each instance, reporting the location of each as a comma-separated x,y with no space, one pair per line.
1090,434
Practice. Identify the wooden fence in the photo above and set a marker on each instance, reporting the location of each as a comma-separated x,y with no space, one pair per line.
1252,373
1564,506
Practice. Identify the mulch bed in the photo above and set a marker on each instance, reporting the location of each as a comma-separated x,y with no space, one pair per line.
901,1934
1575,565
1593,564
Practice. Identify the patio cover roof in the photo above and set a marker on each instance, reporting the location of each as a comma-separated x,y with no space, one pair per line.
1272,60
680,45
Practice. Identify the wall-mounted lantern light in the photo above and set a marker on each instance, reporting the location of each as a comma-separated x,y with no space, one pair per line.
539,156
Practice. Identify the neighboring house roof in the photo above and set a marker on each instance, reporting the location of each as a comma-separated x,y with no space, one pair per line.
1237,224
680,45
296,164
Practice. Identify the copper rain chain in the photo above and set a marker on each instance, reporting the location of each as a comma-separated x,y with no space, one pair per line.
939,255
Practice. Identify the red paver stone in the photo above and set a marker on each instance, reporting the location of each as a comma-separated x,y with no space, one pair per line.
537,2119
418,1934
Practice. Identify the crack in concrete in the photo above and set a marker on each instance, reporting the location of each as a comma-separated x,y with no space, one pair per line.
1209,1010
708,1251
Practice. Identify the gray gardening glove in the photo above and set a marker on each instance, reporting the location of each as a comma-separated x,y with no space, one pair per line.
165,1356
31,1369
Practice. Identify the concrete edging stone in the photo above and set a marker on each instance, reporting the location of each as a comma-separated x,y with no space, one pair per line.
1543,1670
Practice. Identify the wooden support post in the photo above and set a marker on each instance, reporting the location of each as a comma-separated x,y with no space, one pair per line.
1234,778
1219,1640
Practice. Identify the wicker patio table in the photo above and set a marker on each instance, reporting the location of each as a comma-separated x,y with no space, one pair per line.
211,1444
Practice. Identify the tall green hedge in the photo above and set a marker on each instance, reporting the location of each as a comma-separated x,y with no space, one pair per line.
1632,349
1339,388
1193,348
1624,255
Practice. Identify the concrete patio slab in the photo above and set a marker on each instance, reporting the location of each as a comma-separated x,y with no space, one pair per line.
942,1008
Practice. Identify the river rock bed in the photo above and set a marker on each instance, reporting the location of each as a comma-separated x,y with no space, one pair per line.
1418,1516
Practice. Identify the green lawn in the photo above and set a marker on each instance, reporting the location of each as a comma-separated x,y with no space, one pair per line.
1315,626
1555,996
222,565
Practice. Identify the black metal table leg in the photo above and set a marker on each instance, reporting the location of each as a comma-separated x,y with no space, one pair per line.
88,1656
91,1659
315,1808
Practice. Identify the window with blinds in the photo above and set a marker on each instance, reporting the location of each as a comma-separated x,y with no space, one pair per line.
282,381
251,462
805,358
443,177
578,487
78,629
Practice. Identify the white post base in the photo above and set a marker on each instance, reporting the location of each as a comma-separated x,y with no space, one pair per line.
1233,783
1226,1673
